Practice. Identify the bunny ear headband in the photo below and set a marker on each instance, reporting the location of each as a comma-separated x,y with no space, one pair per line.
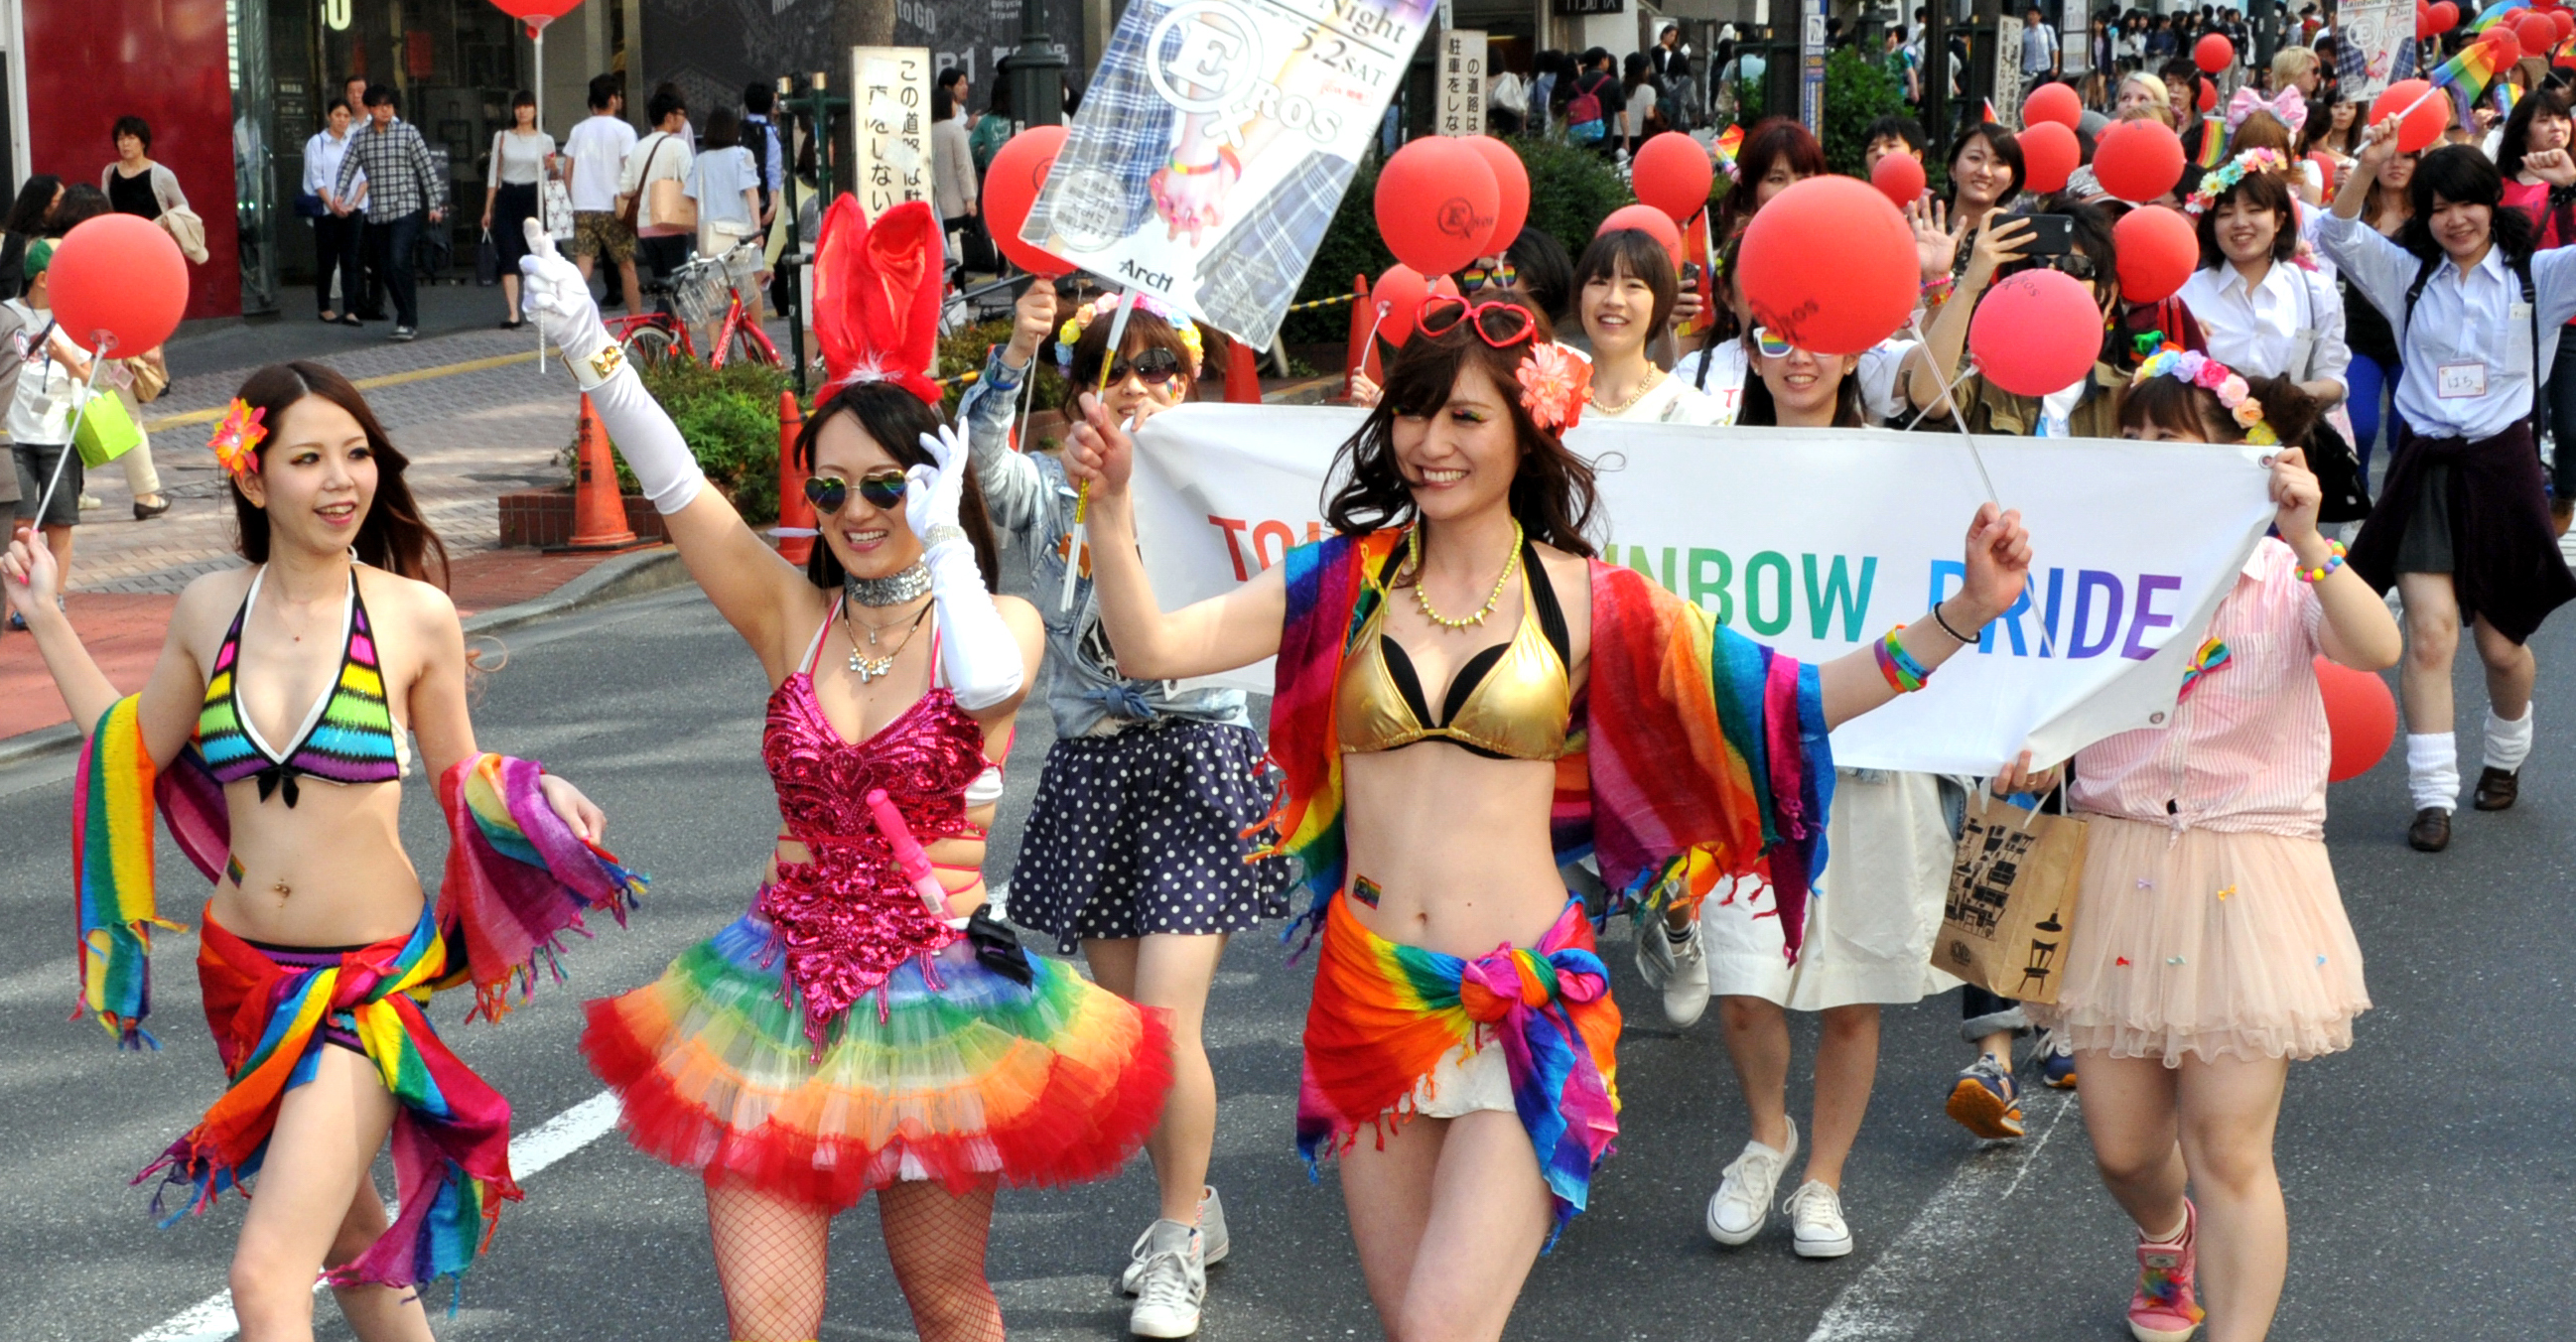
876,296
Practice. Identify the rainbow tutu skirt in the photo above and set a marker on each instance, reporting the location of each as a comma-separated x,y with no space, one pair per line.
971,1080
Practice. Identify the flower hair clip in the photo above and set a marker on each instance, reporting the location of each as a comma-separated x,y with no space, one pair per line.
237,439
2224,178
2218,380
1070,334
1554,386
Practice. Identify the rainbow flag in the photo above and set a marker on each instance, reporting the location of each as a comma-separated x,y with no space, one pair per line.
2213,142
2470,74
2488,16
1729,143
2504,99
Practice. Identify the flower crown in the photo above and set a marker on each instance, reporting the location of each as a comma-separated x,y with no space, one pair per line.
237,439
1070,333
2216,378
2223,178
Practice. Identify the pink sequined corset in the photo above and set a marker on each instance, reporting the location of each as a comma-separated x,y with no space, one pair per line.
847,919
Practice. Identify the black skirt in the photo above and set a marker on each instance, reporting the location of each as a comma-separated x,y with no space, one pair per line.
2498,547
511,211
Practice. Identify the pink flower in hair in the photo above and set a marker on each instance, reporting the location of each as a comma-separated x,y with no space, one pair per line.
2232,391
1554,385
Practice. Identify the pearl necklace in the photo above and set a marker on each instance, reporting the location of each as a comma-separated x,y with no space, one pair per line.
1422,592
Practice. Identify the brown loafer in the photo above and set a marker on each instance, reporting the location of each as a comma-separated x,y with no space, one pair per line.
2431,832
2498,789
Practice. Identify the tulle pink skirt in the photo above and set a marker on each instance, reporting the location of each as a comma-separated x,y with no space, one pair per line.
2209,945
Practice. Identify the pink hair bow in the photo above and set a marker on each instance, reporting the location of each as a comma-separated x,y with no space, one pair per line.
2288,108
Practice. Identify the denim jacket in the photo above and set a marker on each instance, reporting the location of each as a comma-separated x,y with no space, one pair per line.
1029,500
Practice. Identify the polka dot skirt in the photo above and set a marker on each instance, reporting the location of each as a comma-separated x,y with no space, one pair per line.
1142,832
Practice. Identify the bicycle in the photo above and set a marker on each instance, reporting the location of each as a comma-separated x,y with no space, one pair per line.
652,338
696,288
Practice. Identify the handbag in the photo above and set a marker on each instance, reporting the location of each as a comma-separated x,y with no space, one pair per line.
106,432
2346,494
669,205
309,205
554,209
2011,906
487,261
628,202
150,377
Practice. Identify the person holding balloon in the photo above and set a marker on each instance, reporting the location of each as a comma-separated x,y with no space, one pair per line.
2213,949
2461,527
2045,370
1460,1044
1136,847
53,377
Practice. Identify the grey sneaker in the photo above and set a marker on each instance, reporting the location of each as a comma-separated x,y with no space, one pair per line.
1741,1205
402,333
1212,1239
1686,988
1172,1282
1816,1221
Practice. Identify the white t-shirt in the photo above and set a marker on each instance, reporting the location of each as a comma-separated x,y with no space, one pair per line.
598,150
40,411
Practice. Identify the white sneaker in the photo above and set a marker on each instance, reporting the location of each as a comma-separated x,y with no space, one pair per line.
1816,1221
1742,1204
1171,1282
1686,990
1212,1239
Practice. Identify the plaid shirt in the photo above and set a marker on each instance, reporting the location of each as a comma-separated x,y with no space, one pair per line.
399,171
1246,285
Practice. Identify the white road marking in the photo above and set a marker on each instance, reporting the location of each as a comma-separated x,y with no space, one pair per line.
1886,1302
212,1320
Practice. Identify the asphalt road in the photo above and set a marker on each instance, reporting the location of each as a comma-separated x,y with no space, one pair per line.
2431,1171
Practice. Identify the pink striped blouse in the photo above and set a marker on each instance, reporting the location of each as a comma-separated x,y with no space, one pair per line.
2247,749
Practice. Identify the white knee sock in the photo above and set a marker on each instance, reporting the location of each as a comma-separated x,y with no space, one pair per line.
2508,743
2433,770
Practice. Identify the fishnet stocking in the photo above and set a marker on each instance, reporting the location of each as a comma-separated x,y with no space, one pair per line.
772,1256
936,1243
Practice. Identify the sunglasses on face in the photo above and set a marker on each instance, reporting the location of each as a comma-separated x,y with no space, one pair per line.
1502,275
1152,367
882,489
1500,325
1771,344
2071,265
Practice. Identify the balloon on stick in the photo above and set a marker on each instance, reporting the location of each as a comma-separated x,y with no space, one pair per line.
1398,295
1511,181
2503,47
1899,177
2053,102
117,283
2213,53
2036,332
2138,161
2361,719
2049,155
2423,118
1673,173
1645,219
1011,184
2158,250
1830,265
535,15
1437,204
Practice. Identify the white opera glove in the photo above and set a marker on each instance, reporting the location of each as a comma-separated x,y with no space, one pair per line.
557,298
977,651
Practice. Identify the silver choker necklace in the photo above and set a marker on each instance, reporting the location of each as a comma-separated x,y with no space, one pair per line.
892,590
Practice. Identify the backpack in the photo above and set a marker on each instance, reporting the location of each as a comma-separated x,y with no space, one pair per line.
1583,122
755,137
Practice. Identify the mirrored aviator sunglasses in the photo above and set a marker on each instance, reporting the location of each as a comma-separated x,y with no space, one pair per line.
1500,325
883,490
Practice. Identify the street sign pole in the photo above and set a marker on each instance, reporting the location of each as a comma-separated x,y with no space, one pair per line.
1811,66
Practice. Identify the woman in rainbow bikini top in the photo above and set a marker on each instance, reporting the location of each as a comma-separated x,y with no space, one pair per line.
1459,1046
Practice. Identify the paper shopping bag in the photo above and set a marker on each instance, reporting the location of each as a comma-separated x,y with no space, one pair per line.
106,432
2011,906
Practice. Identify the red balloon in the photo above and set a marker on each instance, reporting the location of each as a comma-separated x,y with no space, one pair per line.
1672,173
2443,16
1437,204
1511,178
2423,21
2361,719
2536,32
2213,53
536,13
1646,219
1011,185
1899,177
2053,102
2049,155
2506,47
1399,294
2423,124
2036,332
2138,160
2563,24
2208,96
1830,265
2159,249
118,285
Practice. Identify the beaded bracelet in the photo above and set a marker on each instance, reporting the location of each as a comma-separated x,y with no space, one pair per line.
1904,674
2334,560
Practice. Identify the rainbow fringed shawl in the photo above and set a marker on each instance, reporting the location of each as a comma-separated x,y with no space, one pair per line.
517,879
1697,755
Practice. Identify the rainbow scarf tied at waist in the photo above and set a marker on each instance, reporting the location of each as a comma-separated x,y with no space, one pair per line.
451,1136
1696,755
1384,1015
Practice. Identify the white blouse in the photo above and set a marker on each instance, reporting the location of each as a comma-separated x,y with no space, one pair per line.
519,160
2261,329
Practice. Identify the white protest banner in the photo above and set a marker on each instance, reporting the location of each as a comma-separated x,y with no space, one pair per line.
1462,82
1815,543
892,104
2371,38
1214,144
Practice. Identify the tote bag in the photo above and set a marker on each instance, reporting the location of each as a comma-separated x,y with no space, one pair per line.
2011,907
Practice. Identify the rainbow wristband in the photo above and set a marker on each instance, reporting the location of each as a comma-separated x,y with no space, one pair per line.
1904,674
2334,560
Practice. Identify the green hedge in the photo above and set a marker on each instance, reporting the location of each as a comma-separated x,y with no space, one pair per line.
1858,91
729,418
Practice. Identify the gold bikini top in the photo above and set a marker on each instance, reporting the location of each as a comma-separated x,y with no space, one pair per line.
1510,701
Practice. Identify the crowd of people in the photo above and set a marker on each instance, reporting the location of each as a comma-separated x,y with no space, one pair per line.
870,1026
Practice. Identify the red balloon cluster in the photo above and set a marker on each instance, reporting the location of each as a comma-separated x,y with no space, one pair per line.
2036,332
2437,18
1511,178
2536,32
1011,185
1399,294
117,284
2049,155
2361,719
1830,264
2563,24
2425,116
1649,220
2053,102
2213,53
2158,249
2502,44
1672,173
1899,177
1437,204
2138,160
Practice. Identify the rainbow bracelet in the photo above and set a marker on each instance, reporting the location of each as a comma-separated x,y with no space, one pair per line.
2334,560
1904,674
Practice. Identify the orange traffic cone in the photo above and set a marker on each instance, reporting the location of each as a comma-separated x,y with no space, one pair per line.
1242,374
794,512
598,511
